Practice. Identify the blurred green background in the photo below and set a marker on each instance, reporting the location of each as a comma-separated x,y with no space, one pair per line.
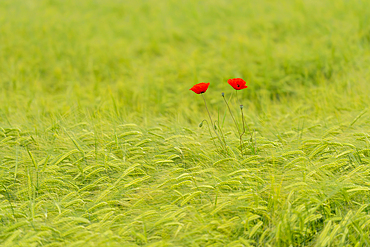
99,137
138,59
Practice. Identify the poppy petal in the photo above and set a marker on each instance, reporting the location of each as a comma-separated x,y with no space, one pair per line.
237,83
200,87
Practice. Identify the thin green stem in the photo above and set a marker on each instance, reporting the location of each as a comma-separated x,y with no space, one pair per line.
232,116
210,133
220,129
244,124
241,135
237,98
212,123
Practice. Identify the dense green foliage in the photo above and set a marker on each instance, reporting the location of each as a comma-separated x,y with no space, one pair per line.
99,136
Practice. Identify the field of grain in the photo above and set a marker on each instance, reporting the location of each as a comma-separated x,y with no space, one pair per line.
100,143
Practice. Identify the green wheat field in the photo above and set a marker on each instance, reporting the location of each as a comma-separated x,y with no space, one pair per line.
100,143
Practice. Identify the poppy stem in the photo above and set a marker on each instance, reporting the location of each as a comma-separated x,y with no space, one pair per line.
240,137
241,134
209,129
236,125
220,129
232,116
212,123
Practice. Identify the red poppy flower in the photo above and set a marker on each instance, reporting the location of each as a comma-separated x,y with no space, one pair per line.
200,87
237,83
